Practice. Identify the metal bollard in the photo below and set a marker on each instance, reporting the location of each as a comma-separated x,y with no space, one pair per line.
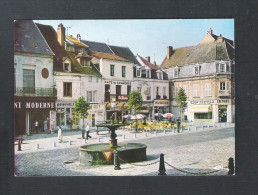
98,139
85,141
155,132
54,144
195,128
124,136
70,143
162,170
135,135
146,134
231,166
164,131
37,146
188,128
116,161
19,145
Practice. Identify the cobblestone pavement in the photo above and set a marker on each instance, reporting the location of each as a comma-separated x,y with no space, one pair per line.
195,151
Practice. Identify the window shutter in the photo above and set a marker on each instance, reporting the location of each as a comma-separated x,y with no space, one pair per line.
217,67
227,67
226,86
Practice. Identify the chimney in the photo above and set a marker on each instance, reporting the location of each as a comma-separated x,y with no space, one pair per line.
147,58
210,31
169,52
220,38
61,34
79,37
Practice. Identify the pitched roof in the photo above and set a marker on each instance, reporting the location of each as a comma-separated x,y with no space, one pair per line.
125,53
29,39
97,46
199,54
60,53
226,39
76,41
150,65
108,56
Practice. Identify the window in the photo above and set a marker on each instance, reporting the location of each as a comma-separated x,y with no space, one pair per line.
176,72
29,80
148,93
222,68
85,62
66,67
196,90
203,115
207,91
91,96
185,87
222,86
97,79
174,91
147,73
67,89
35,44
112,70
123,71
139,89
157,90
196,70
138,72
90,78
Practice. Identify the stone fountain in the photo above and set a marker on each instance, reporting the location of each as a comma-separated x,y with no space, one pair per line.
92,154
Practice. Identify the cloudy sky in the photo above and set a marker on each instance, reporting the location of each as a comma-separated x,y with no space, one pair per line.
146,37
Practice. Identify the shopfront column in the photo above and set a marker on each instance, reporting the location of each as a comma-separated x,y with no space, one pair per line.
229,113
215,113
27,122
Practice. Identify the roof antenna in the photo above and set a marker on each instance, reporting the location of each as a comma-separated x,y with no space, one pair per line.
67,28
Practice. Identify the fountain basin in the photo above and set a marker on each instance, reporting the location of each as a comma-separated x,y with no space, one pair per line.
130,152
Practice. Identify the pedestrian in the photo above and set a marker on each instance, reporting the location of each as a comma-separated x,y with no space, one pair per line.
88,131
45,126
70,124
36,126
178,126
59,134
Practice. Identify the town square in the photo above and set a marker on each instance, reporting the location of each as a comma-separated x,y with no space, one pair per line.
94,107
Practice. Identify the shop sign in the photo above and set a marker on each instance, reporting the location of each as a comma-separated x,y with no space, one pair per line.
33,105
123,97
223,101
202,102
118,82
161,103
64,104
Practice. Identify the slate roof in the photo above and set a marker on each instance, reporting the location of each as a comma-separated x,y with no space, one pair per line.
29,39
226,39
150,65
125,53
60,53
97,46
199,54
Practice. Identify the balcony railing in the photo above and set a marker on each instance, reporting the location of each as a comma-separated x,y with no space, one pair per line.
36,92
224,93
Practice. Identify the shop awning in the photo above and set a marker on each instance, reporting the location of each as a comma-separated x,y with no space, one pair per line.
201,109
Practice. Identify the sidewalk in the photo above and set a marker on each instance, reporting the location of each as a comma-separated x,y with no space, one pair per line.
74,139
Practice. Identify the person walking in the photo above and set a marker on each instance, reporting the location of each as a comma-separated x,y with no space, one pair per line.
36,126
87,131
178,126
59,134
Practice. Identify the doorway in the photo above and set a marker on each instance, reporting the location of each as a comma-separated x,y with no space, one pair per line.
222,114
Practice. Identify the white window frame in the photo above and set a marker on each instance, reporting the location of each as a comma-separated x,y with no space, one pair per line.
198,70
222,87
147,73
207,90
222,67
176,72
138,72
196,90
90,79
93,96
174,91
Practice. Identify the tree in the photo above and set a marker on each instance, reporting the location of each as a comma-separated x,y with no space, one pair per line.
181,101
81,107
135,102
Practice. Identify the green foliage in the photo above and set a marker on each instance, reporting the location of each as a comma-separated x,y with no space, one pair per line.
181,100
135,100
81,107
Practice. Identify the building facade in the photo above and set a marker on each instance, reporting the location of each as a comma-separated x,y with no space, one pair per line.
206,73
35,93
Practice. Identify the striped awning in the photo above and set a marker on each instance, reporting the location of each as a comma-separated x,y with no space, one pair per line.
201,109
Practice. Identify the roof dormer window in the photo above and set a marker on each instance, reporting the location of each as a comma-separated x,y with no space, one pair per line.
35,44
67,65
148,75
196,70
138,72
176,72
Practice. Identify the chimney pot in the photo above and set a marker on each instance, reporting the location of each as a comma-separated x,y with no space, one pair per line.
210,31
169,52
79,37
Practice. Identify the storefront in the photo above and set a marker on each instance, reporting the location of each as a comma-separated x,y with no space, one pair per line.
34,115
160,106
221,110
